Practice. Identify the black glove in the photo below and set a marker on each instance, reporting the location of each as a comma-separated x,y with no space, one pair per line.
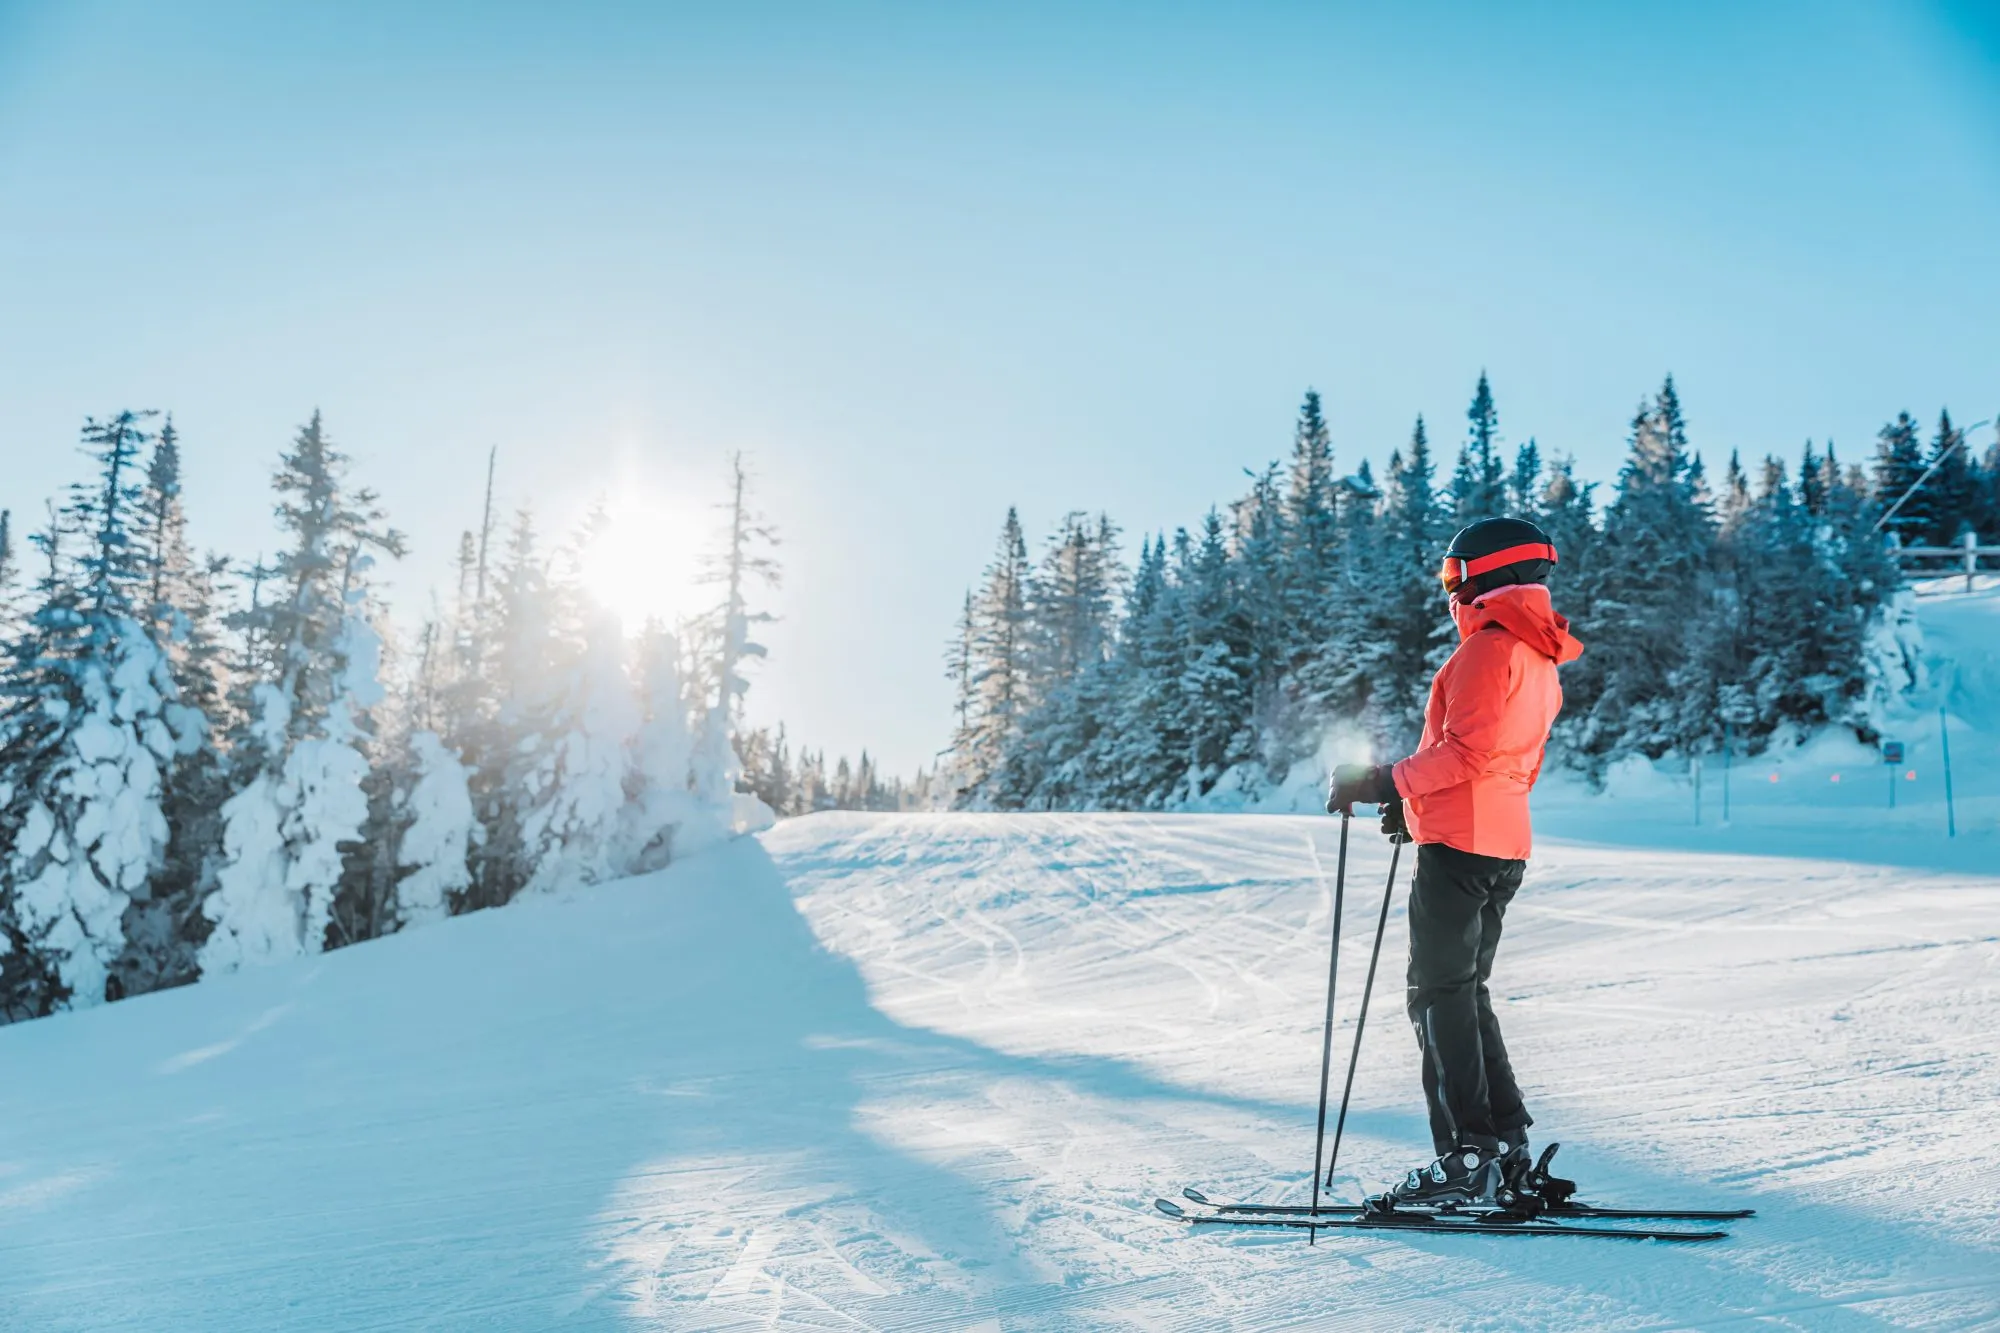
1359,784
1393,827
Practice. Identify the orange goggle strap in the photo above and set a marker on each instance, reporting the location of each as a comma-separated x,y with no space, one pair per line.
1457,569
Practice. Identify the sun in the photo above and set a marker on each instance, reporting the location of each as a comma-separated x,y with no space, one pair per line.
644,562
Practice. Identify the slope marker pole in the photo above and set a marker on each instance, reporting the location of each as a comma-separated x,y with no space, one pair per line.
1326,1041
1944,743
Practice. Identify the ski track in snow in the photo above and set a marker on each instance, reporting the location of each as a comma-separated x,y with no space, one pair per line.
929,1072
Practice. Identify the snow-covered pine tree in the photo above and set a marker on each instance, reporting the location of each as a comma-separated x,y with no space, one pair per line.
742,558
1950,490
1349,670
300,765
1404,614
1812,486
1073,599
573,785
1735,501
1568,513
958,669
10,577
1792,652
1985,515
662,817
165,926
812,794
1000,682
1264,562
88,719
1659,534
1899,461
1524,484
1478,486
470,670
1145,748
1071,617
433,852
1306,530
505,733
767,768
1218,665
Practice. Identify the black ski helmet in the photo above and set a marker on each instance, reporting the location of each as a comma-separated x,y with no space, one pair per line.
1493,553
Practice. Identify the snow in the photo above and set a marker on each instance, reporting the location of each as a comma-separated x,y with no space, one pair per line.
98,817
575,825
434,848
283,834
899,1071
253,924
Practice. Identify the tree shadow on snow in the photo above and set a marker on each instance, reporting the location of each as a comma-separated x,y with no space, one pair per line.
660,1104
793,1052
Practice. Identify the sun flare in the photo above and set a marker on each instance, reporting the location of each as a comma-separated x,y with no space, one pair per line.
644,563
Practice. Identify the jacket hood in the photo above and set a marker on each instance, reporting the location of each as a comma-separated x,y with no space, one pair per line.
1525,611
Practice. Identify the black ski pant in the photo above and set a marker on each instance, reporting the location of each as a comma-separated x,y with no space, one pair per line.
1456,906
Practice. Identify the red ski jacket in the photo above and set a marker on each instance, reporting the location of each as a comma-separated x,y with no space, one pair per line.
1486,724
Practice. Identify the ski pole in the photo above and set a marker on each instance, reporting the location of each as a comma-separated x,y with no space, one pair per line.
1326,1042
1367,988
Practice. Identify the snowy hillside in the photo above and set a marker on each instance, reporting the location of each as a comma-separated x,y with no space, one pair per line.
663,1104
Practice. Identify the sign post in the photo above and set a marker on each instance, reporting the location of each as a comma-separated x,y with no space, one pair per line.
1892,756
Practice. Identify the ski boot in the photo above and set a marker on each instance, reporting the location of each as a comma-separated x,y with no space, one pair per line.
1526,1188
1466,1175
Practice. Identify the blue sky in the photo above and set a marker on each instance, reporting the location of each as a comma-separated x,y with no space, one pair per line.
922,262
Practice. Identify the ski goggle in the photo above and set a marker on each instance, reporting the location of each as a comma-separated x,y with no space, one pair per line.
1457,569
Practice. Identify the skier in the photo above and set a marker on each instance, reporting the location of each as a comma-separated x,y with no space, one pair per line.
1463,799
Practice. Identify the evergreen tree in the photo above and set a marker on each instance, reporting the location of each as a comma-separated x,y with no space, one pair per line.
741,560
1899,461
1071,600
301,765
1986,492
1804,590
1812,485
434,850
1658,535
573,829
87,721
164,926
1750,605
1405,618
661,815
1524,486
507,741
1568,514
1218,665
767,769
1303,535
1735,504
10,577
1001,655
1950,491
1286,624
1144,751
958,668
1478,486
1071,604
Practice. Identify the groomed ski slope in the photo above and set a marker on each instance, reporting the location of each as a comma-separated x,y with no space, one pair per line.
908,1072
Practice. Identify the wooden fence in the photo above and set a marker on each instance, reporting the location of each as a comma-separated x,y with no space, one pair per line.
1934,561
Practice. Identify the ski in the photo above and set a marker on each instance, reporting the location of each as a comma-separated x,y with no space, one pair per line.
1579,1210
1433,1224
